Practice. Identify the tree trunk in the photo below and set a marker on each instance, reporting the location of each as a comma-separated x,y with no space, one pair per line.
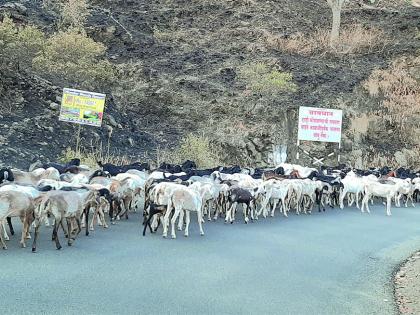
335,30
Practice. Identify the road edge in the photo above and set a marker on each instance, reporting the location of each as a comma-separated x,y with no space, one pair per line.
399,277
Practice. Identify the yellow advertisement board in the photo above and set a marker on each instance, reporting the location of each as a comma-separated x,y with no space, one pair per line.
82,107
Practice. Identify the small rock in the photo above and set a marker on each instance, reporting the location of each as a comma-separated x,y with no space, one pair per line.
111,29
131,142
20,100
50,129
58,98
54,106
160,91
96,136
109,130
17,6
112,121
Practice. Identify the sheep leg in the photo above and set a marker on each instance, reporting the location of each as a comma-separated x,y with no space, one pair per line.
362,208
24,228
36,234
147,223
209,203
3,231
200,223
9,223
30,219
66,232
397,200
274,207
87,222
357,199
55,234
79,228
342,195
216,213
187,222
350,199
93,221
365,203
181,220
388,206
3,244
102,218
173,220
228,216
252,211
232,213
166,222
246,211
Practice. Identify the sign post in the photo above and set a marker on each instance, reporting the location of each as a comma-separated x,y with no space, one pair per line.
319,124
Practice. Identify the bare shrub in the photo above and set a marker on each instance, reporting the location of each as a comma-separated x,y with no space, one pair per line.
193,147
91,156
399,93
359,40
132,86
354,39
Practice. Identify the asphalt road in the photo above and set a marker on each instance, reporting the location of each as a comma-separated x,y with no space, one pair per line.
338,262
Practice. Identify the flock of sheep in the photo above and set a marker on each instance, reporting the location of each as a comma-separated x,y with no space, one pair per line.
68,196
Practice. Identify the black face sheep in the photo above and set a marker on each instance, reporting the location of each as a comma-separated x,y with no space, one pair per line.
6,174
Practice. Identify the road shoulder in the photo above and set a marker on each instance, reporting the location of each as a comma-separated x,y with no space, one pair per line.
407,286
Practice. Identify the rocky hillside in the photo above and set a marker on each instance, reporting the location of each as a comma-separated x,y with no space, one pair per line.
184,68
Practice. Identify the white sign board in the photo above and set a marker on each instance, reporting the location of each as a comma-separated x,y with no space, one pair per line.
320,124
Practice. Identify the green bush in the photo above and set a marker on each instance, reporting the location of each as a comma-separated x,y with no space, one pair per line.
72,57
74,13
19,45
261,79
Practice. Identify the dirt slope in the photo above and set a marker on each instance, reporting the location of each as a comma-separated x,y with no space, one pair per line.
190,54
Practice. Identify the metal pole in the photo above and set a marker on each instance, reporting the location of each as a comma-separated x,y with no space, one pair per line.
297,152
78,139
338,155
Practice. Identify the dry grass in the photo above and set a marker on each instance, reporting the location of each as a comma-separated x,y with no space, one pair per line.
197,148
398,91
92,156
380,159
354,39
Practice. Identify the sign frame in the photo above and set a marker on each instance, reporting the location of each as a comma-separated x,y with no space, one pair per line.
82,107
319,124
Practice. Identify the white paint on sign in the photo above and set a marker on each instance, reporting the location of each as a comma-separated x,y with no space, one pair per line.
320,124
